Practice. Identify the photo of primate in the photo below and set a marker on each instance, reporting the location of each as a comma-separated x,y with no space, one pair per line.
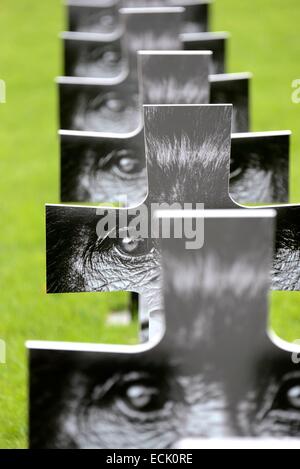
150,29
99,108
196,16
103,169
259,170
233,88
216,373
105,18
188,161
92,17
216,42
101,105
112,169
94,106
174,77
92,55
150,242
184,147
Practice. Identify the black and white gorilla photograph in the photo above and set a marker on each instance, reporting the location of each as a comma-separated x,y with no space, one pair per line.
95,106
185,146
88,55
113,105
103,169
151,29
113,169
174,77
99,107
150,241
92,17
188,162
105,19
196,17
216,373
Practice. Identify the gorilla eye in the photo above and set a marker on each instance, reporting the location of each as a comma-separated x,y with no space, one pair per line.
123,162
126,163
142,393
141,397
114,104
107,20
288,396
134,246
110,57
293,397
110,102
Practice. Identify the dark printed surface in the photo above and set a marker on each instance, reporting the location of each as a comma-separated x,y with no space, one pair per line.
100,108
88,56
216,42
104,19
215,373
188,161
260,168
233,89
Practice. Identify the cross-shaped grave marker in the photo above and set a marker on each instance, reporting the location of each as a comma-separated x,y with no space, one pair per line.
99,167
105,19
110,102
113,105
188,162
215,372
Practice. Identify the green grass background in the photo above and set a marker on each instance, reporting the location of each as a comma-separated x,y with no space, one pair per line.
265,41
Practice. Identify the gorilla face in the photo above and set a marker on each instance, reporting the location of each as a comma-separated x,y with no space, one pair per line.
112,170
215,373
101,170
79,260
146,406
86,58
94,19
112,109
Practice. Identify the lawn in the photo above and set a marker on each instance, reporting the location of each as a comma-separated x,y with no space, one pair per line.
265,41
